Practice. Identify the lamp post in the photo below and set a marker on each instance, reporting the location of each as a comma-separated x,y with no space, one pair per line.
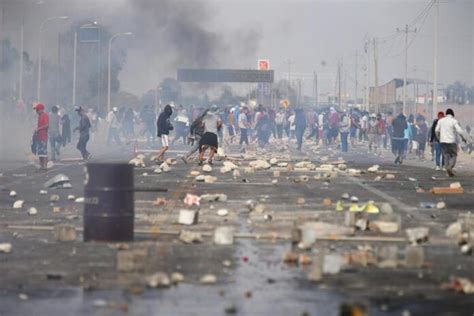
74,72
38,91
110,66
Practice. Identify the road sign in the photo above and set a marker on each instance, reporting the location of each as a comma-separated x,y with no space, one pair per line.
225,75
263,64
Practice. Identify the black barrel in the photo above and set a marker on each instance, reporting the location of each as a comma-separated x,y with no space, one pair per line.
109,202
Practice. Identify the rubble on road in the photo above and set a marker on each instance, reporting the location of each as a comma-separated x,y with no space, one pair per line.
158,280
18,204
194,173
206,168
259,164
191,199
190,237
214,197
417,235
222,212
165,167
12,194
414,256
54,198
208,279
460,285
311,231
373,169
187,217
131,260
138,162
79,200
64,233
5,247
224,235
177,277
32,211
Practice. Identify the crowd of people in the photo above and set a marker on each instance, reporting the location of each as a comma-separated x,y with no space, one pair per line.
203,129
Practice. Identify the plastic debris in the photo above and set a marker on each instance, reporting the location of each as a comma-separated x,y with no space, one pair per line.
191,199
57,181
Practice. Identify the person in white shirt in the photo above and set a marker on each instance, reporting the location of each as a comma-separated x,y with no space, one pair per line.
447,131
279,122
114,126
291,121
244,126
212,125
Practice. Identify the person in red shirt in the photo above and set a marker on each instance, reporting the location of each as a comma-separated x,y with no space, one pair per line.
42,135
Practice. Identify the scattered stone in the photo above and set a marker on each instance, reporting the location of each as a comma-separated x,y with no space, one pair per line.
23,296
414,256
373,169
362,224
455,185
441,205
236,173
177,277
43,192
222,212
191,199
461,285
412,179
160,201
345,196
158,280
342,167
259,208
454,230
282,164
274,181
300,201
12,193
354,172
260,164
226,263
188,217
273,161
417,235
5,247
290,257
170,161
208,279
389,176
332,263
32,211
377,179
79,200
276,174
466,249
214,197
64,233
206,168
386,227
165,167
18,204
327,202
386,208
189,237
157,171
224,235
194,173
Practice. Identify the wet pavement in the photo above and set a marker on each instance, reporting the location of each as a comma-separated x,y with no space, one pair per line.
76,278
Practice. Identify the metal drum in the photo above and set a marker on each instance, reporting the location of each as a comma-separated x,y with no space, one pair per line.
109,202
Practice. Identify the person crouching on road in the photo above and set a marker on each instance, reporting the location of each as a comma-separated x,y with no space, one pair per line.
196,131
84,132
42,136
164,127
212,124
447,131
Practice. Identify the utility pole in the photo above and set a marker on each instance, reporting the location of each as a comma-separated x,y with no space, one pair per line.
356,83
289,78
435,60
376,63
367,72
20,79
315,89
339,66
406,30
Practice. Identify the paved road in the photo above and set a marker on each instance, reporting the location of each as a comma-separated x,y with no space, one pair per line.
257,282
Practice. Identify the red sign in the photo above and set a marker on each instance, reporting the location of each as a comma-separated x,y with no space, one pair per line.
263,64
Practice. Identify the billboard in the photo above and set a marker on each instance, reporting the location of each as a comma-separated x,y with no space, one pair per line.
225,75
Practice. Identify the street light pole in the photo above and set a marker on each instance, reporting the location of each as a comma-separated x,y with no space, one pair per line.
109,76
38,91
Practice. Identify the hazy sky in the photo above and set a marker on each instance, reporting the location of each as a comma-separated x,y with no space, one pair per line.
305,32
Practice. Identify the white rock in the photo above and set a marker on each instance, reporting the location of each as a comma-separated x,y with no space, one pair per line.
157,171
273,161
32,211
12,193
187,217
79,200
165,167
177,277
274,181
23,296
224,235
373,169
71,197
454,230
208,279
441,205
236,173
206,168
222,212
18,204
43,192
230,165
159,279
282,164
189,237
260,164
418,234
455,185
201,178
342,167
210,179
54,198
214,197
5,248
